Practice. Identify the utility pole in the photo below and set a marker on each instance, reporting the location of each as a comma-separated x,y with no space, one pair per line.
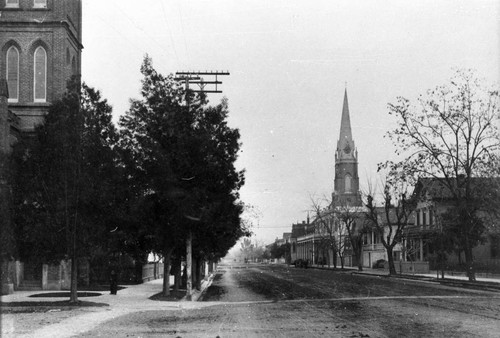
195,78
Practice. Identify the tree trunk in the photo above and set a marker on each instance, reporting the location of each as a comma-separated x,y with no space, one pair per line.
360,262
357,249
74,280
198,274
177,264
469,260
177,280
189,268
390,259
166,272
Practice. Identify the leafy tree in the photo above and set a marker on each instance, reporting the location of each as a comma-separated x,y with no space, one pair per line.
452,135
153,142
179,154
64,188
280,251
246,248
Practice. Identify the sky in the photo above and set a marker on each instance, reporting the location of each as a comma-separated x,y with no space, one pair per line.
290,62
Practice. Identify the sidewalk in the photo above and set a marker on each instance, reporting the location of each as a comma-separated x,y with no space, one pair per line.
133,298
491,278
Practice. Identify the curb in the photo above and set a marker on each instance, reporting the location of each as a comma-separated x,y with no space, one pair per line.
197,295
470,286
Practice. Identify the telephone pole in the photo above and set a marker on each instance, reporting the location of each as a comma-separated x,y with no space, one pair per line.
196,79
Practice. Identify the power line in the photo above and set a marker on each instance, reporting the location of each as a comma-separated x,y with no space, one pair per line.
169,31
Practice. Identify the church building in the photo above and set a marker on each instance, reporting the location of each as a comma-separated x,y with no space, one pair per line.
346,186
41,45
312,241
40,50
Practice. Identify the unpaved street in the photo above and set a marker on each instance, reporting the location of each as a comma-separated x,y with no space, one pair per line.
277,301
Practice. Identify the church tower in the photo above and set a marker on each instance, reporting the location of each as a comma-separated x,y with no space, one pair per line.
346,186
40,46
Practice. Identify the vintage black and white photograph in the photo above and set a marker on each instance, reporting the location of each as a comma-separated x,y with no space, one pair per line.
249,168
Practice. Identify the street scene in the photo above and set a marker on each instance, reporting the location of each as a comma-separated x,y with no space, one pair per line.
249,168
262,300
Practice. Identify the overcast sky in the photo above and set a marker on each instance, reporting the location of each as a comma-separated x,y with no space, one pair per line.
290,62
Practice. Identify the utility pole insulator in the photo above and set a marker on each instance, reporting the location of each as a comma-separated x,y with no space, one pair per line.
195,78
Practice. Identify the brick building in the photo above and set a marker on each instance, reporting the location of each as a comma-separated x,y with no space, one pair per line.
40,49
41,44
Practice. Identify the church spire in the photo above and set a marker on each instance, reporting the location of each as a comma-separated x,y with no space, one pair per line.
346,163
345,124
345,144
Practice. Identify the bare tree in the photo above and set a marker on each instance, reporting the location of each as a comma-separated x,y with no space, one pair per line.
323,225
352,221
341,228
452,135
390,217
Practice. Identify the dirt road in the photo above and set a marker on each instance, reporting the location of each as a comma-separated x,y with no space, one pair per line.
277,301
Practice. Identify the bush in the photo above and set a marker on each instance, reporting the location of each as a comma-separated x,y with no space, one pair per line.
380,264
300,263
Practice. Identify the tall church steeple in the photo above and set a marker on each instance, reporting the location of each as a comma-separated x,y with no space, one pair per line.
345,144
346,163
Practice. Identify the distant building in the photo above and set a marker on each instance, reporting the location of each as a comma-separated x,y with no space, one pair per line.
298,231
286,237
314,241
434,199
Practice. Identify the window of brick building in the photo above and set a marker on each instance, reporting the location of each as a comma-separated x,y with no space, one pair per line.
12,3
13,73
73,66
40,4
348,180
40,76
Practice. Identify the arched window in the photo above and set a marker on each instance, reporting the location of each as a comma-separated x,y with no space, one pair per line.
73,66
348,180
13,73
40,76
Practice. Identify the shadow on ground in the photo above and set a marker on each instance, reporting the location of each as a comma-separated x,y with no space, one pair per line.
64,294
174,296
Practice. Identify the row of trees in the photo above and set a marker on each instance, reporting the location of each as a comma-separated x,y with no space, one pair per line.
256,251
451,136
82,186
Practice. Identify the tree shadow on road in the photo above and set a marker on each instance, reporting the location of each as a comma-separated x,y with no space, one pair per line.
175,296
